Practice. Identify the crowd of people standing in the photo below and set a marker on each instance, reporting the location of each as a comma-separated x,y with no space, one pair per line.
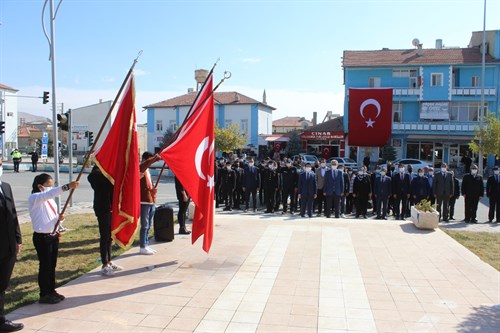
333,191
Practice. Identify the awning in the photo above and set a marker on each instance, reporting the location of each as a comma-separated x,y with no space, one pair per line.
280,138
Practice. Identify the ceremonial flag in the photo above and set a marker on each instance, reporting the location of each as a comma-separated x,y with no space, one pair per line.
191,158
118,159
370,117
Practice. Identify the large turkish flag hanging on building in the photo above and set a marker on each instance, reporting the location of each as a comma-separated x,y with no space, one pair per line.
370,117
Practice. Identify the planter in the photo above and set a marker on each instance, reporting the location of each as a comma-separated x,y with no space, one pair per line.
424,220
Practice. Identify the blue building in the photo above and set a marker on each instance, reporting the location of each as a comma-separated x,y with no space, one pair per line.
436,96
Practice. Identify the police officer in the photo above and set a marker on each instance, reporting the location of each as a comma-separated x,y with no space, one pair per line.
362,191
289,185
493,193
228,185
16,158
472,190
238,195
271,186
251,183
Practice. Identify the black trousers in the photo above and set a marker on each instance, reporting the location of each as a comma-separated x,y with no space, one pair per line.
181,214
289,192
382,206
442,206
361,205
349,203
471,207
34,166
320,201
494,207
254,198
452,206
105,241
227,194
399,207
16,164
269,196
6,267
47,248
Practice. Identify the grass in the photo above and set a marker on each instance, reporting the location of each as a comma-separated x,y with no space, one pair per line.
485,245
78,254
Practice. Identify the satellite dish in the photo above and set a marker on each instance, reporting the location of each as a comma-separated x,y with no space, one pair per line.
415,42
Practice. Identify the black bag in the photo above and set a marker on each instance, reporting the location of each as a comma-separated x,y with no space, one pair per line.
163,224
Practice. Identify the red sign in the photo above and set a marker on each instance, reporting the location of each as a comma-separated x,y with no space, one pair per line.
326,135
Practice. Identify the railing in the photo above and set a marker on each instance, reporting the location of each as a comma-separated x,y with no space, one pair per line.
473,91
406,92
418,126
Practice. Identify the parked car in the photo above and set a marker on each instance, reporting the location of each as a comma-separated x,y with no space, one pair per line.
305,158
415,164
345,161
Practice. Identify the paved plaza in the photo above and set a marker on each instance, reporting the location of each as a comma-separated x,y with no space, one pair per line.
269,273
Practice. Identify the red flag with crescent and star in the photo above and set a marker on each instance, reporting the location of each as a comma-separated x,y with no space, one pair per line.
191,158
370,117
118,159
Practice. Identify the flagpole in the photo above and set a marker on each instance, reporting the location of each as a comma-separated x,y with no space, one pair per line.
99,135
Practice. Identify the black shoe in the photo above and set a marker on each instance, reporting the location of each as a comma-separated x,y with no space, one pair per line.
451,219
245,210
184,232
49,299
301,215
59,296
466,220
473,221
9,326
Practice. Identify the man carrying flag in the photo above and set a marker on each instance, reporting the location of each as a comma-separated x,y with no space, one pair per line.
195,140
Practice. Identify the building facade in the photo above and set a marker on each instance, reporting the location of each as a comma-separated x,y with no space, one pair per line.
254,118
8,114
436,96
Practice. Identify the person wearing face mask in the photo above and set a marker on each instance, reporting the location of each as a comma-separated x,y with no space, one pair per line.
400,192
429,173
333,189
271,186
289,183
349,198
10,247
228,185
410,203
251,183
361,192
44,217
493,193
443,191
263,168
472,191
345,193
382,192
455,196
307,189
238,196
419,187
320,200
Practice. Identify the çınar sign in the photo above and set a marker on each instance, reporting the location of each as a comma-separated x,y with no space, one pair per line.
327,135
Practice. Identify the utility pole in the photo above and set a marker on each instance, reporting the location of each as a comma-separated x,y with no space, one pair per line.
482,107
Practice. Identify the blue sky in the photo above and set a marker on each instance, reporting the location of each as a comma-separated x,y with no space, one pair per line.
292,49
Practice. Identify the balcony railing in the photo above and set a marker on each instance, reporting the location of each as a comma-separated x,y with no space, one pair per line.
473,91
406,92
425,127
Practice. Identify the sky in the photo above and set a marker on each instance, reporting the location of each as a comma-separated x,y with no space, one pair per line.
291,49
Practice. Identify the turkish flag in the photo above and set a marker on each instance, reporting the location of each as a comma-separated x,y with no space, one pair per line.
118,159
326,151
191,158
370,117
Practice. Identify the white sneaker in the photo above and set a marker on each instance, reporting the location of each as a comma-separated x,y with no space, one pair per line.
108,271
342,216
151,249
146,251
116,267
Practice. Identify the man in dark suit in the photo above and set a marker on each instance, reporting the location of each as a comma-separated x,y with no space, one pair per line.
333,189
493,193
382,191
472,191
250,184
400,192
307,190
443,191
10,246
420,188
455,196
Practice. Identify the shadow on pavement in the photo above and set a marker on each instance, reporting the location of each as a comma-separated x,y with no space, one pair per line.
485,319
410,228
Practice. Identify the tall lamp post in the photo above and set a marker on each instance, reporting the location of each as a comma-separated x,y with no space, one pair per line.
482,108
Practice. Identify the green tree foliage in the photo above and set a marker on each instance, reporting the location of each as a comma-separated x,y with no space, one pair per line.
229,139
487,137
166,137
388,153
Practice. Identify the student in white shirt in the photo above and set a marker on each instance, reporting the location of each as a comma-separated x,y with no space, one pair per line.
44,216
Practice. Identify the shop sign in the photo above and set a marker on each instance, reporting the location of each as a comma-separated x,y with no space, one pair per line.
326,135
434,110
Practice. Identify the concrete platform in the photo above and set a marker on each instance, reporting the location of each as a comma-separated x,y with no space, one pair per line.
285,274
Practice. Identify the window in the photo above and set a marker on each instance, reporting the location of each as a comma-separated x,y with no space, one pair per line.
373,82
397,112
436,79
227,123
475,81
404,73
172,125
465,111
244,125
159,126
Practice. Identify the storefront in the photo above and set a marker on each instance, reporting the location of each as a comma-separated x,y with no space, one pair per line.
325,140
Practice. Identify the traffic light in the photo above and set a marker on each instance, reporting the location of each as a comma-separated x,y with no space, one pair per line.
91,138
45,97
63,121
2,127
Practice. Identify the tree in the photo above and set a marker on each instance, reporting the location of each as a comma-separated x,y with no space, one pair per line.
229,139
294,145
388,153
487,137
166,137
